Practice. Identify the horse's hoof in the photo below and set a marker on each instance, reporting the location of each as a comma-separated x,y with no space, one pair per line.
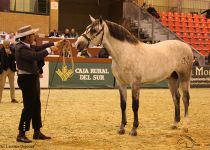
185,129
121,131
133,133
173,127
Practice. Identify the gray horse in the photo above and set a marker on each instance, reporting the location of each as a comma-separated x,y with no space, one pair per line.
134,63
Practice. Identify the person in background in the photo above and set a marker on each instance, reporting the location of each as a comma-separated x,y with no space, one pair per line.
73,33
54,33
66,33
103,53
153,11
207,13
27,58
195,62
84,53
7,69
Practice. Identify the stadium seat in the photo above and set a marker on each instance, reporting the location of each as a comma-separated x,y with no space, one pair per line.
187,40
183,15
163,14
176,14
170,14
185,35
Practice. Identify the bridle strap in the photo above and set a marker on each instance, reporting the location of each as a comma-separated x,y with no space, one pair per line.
90,39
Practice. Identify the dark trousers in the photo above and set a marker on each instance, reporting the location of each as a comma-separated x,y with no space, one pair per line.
30,87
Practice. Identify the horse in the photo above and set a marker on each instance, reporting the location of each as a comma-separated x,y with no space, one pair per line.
135,63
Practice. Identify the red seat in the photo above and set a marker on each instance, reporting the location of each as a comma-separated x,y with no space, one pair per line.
198,30
204,30
177,29
185,34
176,14
195,46
164,22
164,18
201,16
192,35
170,23
178,34
193,41
170,18
177,19
184,29
163,13
183,15
198,35
189,15
202,20
187,40
184,24
204,25
189,20
195,15
172,28
191,29
183,19
177,24
206,41
170,14
196,20
205,35
190,24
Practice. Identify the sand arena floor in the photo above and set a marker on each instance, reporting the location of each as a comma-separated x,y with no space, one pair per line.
89,119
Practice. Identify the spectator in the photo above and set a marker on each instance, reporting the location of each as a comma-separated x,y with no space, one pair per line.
153,11
84,53
103,53
54,33
7,69
195,62
66,33
73,33
207,13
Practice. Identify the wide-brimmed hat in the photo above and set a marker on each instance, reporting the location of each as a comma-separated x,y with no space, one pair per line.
25,30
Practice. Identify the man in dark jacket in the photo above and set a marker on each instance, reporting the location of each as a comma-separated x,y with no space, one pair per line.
7,69
153,11
28,80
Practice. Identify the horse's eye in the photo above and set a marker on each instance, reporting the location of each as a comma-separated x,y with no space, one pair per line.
93,31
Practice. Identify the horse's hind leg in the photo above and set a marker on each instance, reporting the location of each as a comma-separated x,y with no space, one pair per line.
135,107
186,100
173,83
123,97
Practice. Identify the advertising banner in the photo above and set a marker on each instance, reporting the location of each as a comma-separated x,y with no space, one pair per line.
83,75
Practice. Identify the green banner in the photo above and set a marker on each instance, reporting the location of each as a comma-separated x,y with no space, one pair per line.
85,75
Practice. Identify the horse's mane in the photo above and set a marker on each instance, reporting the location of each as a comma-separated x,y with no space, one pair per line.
120,33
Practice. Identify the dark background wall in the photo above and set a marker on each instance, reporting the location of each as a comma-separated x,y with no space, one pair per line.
75,13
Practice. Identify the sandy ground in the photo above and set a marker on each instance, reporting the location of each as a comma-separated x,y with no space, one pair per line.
89,119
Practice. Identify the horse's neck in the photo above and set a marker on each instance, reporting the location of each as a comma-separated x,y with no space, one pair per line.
114,47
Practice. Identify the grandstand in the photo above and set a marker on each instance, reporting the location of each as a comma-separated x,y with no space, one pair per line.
178,20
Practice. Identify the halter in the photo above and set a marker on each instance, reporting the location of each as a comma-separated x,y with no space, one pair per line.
94,36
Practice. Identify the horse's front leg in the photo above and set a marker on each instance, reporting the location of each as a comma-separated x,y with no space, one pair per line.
135,106
123,97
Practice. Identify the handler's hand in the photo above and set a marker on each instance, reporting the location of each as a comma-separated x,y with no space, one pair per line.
54,48
60,43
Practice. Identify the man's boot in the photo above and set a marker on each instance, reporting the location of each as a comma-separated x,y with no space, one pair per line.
22,137
38,135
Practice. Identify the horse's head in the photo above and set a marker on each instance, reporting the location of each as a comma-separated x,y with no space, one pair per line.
92,36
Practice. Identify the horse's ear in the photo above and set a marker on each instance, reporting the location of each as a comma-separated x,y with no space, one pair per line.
100,20
92,19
